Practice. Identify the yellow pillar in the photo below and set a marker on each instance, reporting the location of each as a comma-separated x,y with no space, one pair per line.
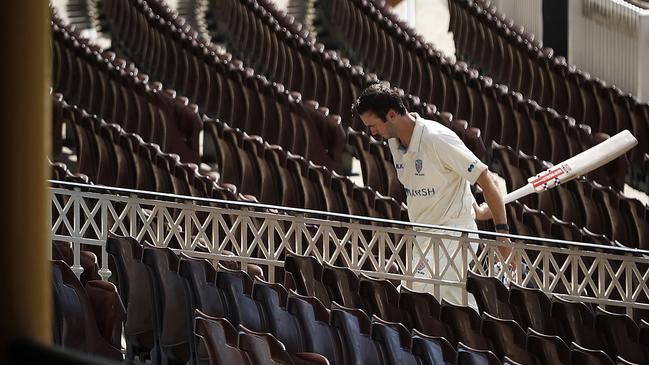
25,107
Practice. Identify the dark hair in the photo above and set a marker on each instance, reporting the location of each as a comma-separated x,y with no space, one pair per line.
378,99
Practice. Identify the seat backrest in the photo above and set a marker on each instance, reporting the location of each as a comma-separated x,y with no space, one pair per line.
531,308
620,334
171,305
133,284
281,323
262,348
577,322
547,349
470,356
432,350
465,325
380,298
507,338
78,317
583,356
201,280
220,339
318,335
342,285
422,312
307,274
490,295
394,341
354,328
242,309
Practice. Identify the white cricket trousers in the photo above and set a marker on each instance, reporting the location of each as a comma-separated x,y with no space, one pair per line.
449,293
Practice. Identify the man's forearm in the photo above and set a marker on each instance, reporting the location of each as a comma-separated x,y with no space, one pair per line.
493,198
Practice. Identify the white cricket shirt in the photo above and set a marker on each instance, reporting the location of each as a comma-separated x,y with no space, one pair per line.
436,171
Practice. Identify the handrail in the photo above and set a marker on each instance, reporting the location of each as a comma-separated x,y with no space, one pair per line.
539,240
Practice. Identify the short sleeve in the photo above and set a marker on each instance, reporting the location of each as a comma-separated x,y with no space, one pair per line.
454,155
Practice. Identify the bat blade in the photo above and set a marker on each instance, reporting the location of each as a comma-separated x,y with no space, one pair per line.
576,166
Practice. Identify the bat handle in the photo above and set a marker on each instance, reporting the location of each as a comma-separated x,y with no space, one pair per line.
519,193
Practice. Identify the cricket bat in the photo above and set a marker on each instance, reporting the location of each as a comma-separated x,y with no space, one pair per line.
576,166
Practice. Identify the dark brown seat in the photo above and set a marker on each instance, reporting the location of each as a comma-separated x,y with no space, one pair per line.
342,285
394,340
173,316
242,309
354,328
75,323
464,323
319,336
137,293
490,295
220,338
281,323
306,273
380,298
547,349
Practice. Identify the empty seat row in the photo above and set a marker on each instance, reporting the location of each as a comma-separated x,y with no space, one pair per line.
579,205
496,331
280,178
220,86
502,114
86,317
115,90
489,40
522,308
300,323
226,345
107,155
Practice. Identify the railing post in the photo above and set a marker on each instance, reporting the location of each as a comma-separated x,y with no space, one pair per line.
76,266
104,271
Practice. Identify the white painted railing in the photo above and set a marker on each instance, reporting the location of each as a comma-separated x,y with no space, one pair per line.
262,234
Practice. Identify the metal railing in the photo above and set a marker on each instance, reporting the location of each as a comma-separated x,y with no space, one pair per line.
263,234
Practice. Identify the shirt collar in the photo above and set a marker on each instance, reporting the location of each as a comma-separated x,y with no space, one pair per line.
415,139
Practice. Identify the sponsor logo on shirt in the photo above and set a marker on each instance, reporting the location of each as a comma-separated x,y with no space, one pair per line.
419,165
398,166
472,166
423,192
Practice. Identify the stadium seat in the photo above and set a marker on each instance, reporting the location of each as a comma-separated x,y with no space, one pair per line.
319,336
575,321
507,339
470,356
306,272
394,341
490,295
547,349
380,298
464,323
171,306
137,293
422,311
432,350
242,309
342,285
582,356
354,328
281,324
75,324
531,309
220,338
621,336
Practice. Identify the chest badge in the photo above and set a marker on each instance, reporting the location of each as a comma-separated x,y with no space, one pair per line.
419,165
